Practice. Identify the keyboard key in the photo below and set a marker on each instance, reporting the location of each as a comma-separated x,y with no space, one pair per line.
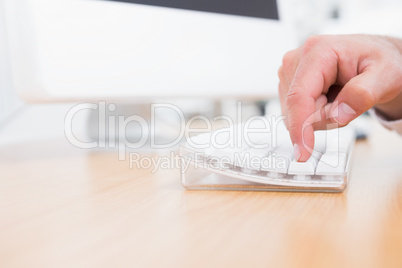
226,154
332,163
339,140
320,141
306,168
282,157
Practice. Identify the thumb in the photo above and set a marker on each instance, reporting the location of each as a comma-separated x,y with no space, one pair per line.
356,97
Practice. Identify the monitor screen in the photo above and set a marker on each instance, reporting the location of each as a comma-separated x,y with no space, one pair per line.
145,49
266,9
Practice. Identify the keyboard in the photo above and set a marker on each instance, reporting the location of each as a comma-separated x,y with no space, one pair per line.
257,156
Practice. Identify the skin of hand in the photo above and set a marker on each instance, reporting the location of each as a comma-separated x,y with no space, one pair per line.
332,79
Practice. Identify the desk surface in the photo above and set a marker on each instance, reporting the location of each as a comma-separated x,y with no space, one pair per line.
66,207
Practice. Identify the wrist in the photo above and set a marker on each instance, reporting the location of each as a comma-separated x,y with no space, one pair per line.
391,110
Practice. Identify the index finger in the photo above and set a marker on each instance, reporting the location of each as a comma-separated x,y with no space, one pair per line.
317,71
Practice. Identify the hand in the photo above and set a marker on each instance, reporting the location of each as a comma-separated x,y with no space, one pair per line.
331,80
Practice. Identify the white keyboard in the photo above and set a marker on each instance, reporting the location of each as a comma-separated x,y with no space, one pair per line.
262,159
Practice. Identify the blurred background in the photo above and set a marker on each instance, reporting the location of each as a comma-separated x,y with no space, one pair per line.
25,117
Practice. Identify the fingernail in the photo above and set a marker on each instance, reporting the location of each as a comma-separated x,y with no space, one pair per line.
297,152
343,114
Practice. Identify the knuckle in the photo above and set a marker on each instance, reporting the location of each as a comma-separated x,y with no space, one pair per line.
281,73
288,59
312,42
282,91
280,88
293,97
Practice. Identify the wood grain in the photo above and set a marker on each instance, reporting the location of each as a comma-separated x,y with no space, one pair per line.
65,207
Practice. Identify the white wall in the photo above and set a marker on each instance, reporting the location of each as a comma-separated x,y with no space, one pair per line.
381,17
9,101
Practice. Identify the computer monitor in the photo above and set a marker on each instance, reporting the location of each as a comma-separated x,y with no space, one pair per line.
66,50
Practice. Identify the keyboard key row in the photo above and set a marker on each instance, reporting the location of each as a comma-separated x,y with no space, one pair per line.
329,157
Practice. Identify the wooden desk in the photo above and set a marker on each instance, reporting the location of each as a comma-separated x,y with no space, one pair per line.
66,207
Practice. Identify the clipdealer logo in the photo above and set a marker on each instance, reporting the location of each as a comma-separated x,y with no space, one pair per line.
112,129
112,133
